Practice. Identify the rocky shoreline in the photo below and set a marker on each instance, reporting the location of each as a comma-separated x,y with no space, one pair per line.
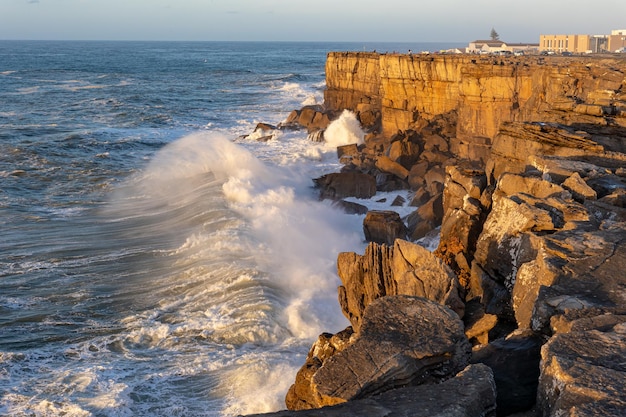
521,164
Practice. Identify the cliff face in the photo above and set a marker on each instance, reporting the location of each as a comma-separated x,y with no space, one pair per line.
481,92
522,162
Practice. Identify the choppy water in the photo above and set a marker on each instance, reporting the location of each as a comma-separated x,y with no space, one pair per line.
152,261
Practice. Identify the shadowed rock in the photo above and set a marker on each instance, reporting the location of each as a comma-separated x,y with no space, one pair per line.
403,341
583,374
406,268
346,184
470,393
383,226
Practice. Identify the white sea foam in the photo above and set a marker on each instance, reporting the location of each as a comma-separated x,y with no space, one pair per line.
344,131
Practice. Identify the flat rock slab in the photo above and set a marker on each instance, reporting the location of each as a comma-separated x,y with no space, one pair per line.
403,341
471,393
584,374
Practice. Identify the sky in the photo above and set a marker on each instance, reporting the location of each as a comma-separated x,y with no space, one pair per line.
319,20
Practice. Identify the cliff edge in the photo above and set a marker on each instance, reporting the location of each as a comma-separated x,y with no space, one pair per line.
519,164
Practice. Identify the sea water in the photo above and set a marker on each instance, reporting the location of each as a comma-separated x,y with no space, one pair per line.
155,258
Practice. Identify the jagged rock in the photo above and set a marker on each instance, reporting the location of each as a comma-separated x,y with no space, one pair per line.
398,201
592,277
313,118
579,320
478,324
583,373
406,268
471,392
403,341
385,164
346,184
417,174
463,218
426,218
316,136
383,226
350,207
404,152
300,396
515,364
511,184
579,188
420,197
347,150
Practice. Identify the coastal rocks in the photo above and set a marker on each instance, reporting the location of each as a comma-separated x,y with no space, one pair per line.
532,243
413,340
466,202
312,118
583,373
406,268
482,94
471,392
514,361
339,185
383,226
300,396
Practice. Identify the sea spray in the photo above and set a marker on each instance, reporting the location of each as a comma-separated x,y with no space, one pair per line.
344,130
224,207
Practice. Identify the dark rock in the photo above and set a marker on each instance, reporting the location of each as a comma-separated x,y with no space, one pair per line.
515,365
583,374
470,393
405,269
346,184
316,136
300,396
383,226
404,152
350,207
398,201
403,341
347,150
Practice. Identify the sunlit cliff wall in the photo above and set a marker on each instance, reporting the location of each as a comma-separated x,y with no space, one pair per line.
477,92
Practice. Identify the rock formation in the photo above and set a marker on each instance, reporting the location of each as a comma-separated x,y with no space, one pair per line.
521,162
402,341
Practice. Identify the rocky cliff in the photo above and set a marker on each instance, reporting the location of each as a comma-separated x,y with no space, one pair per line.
521,162
476,93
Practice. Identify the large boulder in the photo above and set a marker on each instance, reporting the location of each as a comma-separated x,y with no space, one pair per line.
471,392
403,341
383,226
514,361
340,185
404,269
583,374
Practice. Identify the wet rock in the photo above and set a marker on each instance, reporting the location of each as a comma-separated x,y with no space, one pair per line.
350,207
515,364
346,184
403,341
471,392
383,226
406,269
583,373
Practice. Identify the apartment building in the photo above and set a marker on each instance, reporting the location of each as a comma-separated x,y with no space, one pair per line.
583,44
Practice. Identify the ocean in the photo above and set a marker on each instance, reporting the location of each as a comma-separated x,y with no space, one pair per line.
155,258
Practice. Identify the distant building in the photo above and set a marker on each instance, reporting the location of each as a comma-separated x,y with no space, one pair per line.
496,46
583,44
617,40
485,47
